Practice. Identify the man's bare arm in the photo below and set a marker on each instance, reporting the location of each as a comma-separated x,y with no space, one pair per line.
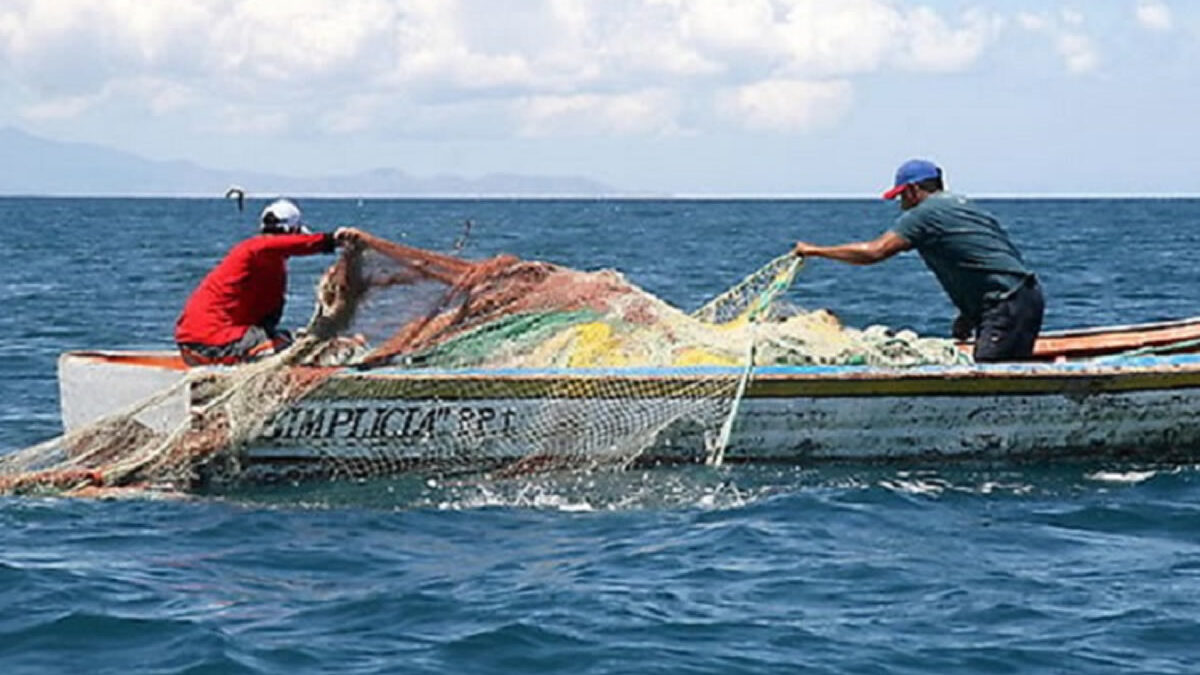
881,248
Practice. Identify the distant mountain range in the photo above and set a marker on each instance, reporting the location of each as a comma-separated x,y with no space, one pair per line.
38,166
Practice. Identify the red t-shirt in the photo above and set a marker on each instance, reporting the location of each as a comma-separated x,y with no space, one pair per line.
246,289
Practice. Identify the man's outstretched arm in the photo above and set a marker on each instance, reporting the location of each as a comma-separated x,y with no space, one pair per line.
881,248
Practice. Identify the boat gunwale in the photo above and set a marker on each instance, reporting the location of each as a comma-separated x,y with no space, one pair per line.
1145,374
1179,364
1132,373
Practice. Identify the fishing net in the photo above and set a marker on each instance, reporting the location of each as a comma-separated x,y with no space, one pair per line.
418,361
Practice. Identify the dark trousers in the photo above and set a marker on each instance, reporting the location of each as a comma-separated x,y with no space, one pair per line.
256,343
1009,327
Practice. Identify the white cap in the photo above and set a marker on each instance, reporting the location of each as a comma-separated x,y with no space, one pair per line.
282,215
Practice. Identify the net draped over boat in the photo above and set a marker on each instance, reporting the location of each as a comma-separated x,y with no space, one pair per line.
642,374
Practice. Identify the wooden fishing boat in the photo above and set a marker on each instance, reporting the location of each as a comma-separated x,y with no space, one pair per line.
1162,337
1125,390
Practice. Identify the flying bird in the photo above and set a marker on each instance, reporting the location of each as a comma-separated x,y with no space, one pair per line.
235,191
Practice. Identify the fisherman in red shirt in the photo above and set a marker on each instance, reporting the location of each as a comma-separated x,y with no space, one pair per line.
233,315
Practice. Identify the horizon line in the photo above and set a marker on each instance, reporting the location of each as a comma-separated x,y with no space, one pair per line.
617,196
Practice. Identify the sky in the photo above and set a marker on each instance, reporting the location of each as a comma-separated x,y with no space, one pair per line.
680,97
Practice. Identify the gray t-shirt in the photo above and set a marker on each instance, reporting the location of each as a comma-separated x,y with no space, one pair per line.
967,249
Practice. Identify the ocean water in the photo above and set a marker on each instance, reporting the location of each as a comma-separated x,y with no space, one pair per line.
1052,568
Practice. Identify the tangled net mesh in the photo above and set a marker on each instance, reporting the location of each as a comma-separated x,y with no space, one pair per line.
419,361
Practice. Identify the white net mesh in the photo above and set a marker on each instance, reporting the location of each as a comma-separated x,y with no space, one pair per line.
416,361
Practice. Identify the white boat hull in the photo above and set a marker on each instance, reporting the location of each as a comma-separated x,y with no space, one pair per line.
356,422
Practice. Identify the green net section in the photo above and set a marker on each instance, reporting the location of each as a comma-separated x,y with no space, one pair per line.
417,361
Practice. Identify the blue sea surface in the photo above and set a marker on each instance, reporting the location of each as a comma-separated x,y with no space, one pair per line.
1073,567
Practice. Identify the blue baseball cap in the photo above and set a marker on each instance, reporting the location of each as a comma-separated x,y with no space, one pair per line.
912,171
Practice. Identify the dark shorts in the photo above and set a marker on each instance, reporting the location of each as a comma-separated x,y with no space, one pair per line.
255,344
1009,327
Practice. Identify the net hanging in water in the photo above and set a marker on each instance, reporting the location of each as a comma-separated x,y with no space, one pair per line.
445,324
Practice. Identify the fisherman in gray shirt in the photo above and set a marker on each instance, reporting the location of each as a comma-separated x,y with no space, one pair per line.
997,296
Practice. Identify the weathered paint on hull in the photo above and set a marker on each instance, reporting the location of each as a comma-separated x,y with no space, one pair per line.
798,429
1148,407
789,415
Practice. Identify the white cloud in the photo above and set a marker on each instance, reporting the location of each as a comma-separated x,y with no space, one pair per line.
727,24
355,114
159,96
1072,17
241,120
848,37
1154,15
788,105
592,114
563,66
64,108
301,39
933,45
1078,52
165,97
1032,22
861,36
